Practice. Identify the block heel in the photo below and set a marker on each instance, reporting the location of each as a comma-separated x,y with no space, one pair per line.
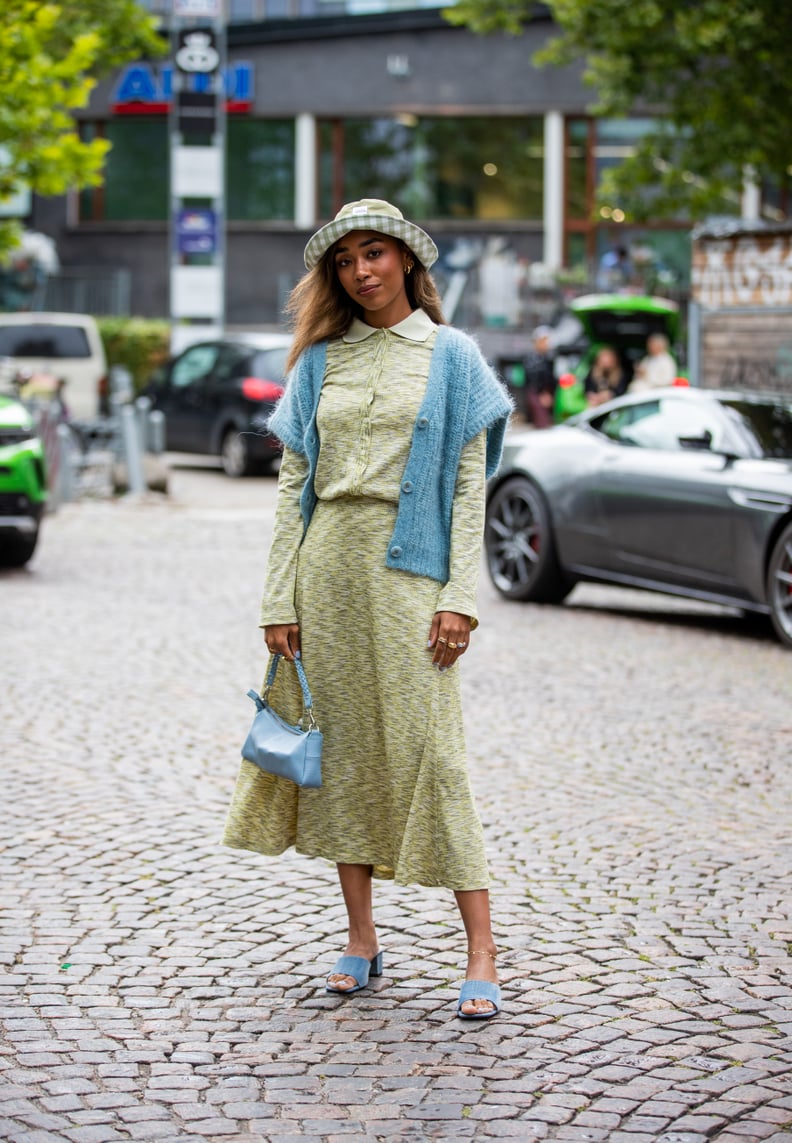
358,968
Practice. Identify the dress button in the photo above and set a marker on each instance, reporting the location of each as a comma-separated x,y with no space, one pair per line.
395,551
407,486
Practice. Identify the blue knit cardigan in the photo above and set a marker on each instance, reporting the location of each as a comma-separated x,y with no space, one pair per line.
463,396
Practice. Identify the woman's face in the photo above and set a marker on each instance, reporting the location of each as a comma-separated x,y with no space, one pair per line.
371,267
608,361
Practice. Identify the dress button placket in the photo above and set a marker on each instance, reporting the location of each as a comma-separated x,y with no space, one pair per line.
380,340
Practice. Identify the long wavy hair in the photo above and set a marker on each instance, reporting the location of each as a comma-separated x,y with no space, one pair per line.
319,307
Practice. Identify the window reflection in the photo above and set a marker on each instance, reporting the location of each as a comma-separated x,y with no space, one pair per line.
455,168
259,162
769,425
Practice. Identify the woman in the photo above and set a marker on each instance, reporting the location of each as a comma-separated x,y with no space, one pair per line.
606,378
657,369
391,422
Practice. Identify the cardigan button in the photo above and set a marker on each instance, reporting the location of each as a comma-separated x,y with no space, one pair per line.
395,551
407,486
423,422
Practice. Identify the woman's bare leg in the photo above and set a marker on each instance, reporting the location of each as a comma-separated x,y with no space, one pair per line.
356,888
474,908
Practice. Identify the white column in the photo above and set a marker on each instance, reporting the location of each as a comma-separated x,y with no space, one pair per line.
553,189
305,171
751,196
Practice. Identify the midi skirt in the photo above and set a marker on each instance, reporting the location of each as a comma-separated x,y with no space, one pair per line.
395,791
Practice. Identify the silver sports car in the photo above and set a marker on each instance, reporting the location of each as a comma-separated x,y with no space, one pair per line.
680,490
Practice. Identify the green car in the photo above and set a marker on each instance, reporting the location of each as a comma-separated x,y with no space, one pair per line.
623,321
23,483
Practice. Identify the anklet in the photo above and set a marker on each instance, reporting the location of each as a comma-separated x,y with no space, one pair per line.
483,952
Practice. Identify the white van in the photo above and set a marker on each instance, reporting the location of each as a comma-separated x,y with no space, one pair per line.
66,346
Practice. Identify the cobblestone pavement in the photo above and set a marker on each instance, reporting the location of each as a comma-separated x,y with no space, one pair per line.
631,756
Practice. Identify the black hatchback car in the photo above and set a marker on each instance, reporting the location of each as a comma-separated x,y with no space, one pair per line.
218,395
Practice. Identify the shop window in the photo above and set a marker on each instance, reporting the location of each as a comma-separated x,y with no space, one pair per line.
616,140
578,196
474,168
658,256
135,186
775,198
576,253
260,164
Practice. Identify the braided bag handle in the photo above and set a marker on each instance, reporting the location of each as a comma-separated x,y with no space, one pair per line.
306,690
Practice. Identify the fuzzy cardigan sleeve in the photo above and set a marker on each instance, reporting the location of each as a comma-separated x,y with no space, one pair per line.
294,419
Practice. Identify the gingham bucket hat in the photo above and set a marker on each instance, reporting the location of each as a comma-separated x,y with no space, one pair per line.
371,214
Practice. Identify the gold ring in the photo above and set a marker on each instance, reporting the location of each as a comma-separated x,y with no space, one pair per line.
440,639
453,646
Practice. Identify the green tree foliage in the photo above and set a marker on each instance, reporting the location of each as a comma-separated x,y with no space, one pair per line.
716,71
50,57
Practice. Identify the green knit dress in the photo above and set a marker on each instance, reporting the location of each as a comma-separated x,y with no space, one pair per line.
395,790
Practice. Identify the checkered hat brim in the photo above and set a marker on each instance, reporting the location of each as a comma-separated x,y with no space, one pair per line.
418,240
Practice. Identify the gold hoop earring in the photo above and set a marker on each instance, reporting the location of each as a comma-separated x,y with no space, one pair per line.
408,268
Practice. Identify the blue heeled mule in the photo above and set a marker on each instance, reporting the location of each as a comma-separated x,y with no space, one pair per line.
358,968
479,990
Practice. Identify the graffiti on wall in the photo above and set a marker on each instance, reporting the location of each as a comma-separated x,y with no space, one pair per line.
749,270
759,372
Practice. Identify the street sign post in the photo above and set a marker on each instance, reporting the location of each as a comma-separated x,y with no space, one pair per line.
196,231
197,163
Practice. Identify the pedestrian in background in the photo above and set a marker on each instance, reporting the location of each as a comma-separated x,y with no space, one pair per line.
657,369
540,380
607,377
615,271
391,423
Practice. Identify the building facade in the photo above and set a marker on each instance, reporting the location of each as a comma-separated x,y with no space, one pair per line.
332,102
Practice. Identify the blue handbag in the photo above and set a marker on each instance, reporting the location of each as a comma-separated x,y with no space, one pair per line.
274,745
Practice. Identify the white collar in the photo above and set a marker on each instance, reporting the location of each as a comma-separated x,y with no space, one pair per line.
416,327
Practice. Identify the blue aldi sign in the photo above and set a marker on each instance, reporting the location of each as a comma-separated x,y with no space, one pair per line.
143,90
196,231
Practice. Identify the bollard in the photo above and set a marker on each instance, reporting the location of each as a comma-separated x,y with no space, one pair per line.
121,385
133,453
142,410
156,432
65,489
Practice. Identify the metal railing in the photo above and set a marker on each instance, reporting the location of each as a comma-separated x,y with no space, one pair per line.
86,290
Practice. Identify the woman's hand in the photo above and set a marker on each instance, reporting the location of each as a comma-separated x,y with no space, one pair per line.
283,639
449,638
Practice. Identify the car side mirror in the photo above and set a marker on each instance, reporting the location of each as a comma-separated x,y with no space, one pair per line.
697,444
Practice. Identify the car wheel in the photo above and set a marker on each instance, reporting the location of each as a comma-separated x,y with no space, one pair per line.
17,550
521,552
234,454
779,586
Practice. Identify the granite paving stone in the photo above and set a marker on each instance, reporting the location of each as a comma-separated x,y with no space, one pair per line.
630,758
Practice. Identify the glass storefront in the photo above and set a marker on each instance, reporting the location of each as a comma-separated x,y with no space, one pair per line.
136,173
471,168
658,256
459,169
259,165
